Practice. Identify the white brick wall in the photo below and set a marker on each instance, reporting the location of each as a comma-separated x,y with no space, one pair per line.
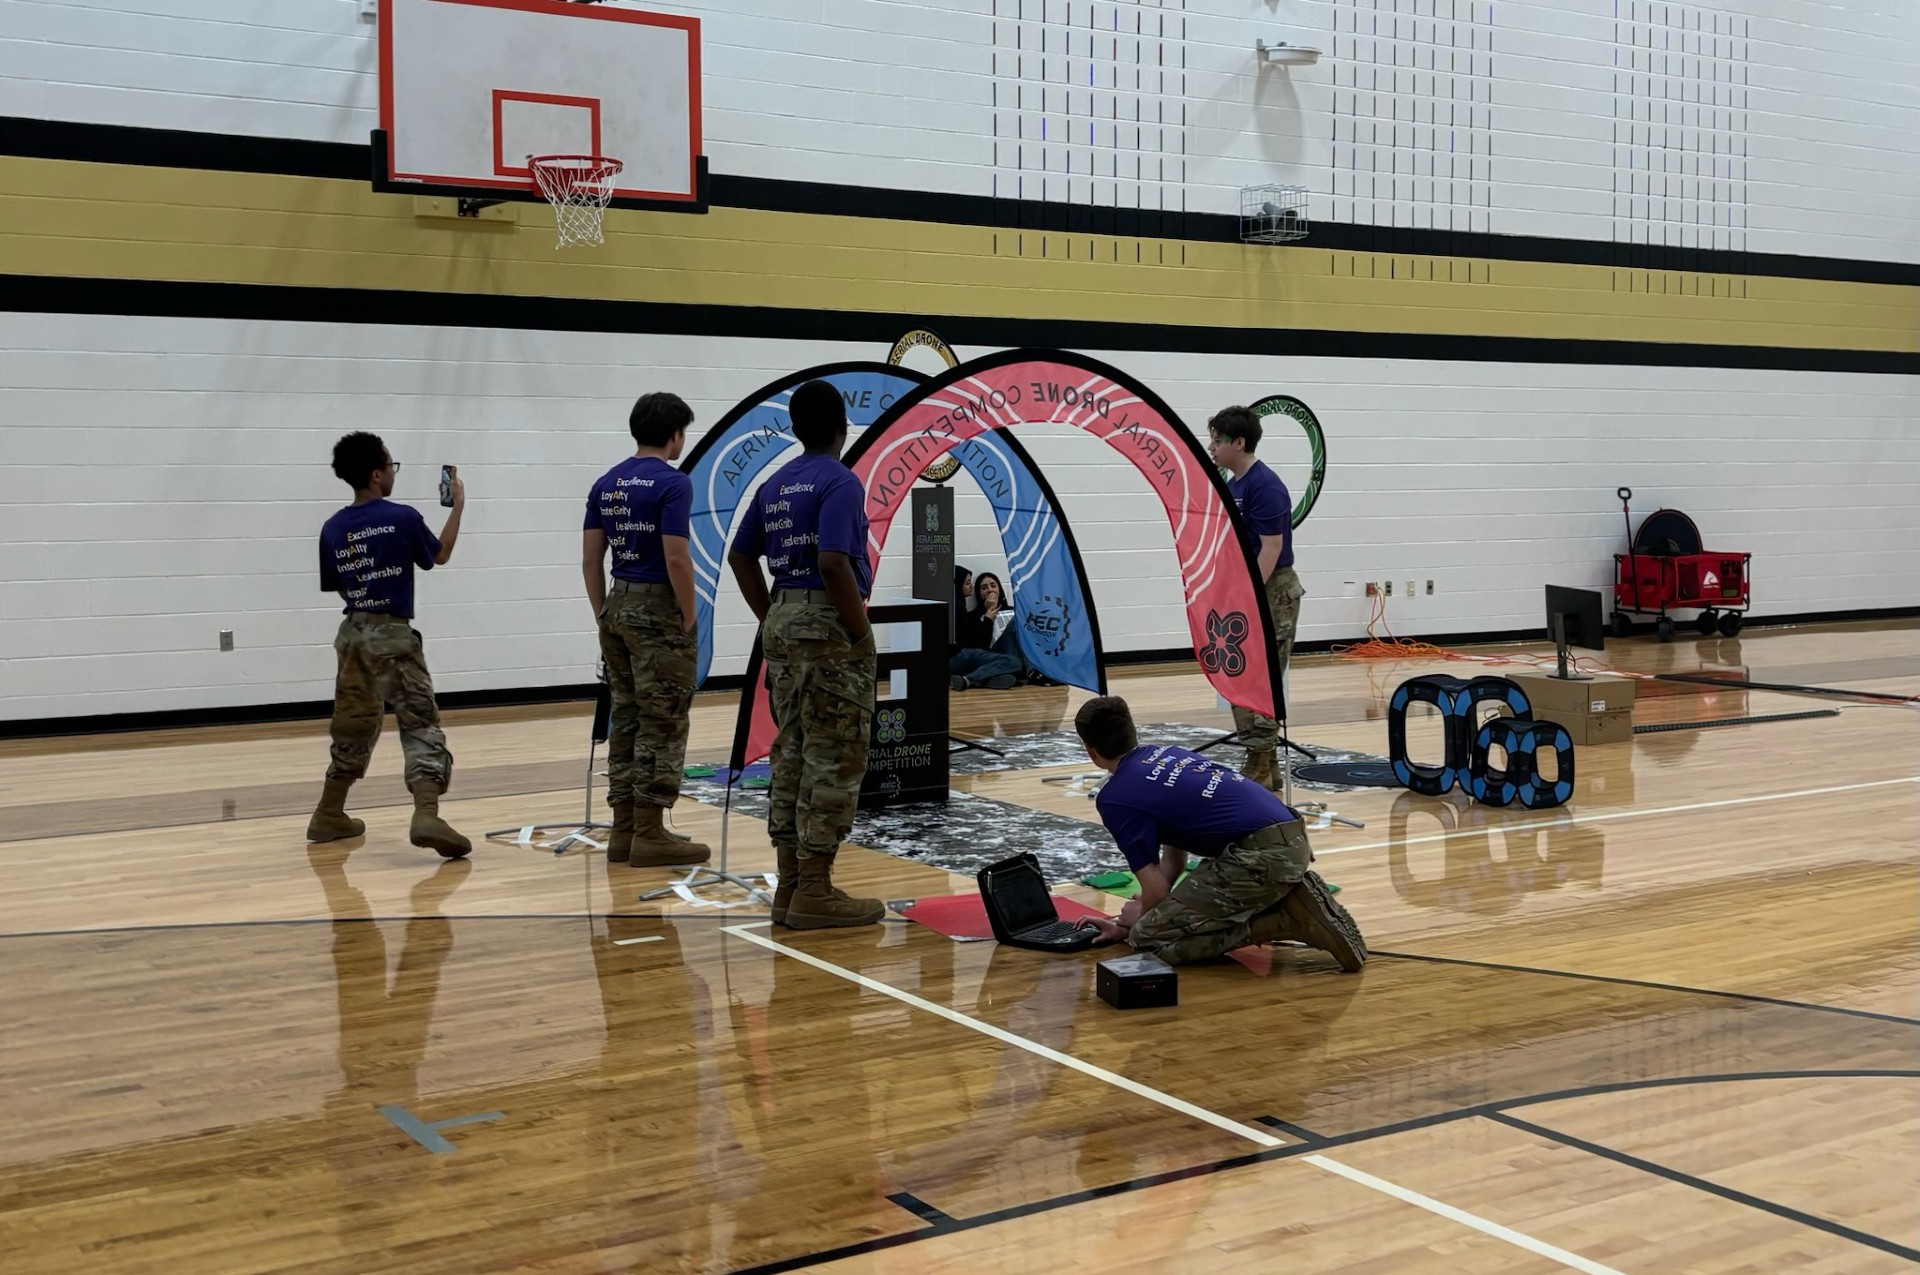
1568,102
167,479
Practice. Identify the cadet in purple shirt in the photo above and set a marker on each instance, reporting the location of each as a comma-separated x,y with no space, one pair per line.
637,511
1251,884
809,520
368,553
1266,512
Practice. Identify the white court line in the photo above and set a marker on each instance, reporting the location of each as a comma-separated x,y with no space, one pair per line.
1518,1239
1570,820
1257,1136
1248,1132
651,938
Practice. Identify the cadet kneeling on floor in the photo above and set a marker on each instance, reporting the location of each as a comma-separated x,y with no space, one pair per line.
1251,884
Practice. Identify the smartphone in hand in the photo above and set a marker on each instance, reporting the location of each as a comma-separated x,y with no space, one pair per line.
446,486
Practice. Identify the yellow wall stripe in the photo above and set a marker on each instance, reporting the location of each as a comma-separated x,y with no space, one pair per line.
115,221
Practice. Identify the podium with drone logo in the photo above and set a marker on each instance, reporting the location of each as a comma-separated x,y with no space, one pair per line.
907,760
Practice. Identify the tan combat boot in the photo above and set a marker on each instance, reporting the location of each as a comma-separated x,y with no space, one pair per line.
620,839
430,830
787,876
1259,766
330,821
1323,923
817,905
654,847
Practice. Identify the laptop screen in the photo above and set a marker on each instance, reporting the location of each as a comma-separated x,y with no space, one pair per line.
1023,899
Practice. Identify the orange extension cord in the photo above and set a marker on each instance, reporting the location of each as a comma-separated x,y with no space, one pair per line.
1398,648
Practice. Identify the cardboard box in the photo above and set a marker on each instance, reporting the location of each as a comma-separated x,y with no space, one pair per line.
1598,710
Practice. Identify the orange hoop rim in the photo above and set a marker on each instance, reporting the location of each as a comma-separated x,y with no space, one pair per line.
574,168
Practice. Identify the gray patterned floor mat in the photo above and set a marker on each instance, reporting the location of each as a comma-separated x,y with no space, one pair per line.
969,831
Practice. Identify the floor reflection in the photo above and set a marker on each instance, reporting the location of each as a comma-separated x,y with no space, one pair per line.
1546,852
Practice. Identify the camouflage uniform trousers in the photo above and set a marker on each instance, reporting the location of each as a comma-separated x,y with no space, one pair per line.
381,661
822,687
1258,731
650,672
1206,914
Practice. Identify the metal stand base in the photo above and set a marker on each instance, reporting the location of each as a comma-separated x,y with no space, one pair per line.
1286,749
578,832
964,744
700,876
1318,809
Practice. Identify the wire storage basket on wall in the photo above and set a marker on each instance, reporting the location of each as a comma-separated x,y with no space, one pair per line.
1273,214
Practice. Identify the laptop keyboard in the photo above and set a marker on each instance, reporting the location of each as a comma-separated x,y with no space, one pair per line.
1052,933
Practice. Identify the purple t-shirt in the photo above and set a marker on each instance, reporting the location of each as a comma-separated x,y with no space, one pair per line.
812,503
368,553
1265,509
636,503
1170,796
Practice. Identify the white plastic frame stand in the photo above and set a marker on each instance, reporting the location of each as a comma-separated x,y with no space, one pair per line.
700,876
581,832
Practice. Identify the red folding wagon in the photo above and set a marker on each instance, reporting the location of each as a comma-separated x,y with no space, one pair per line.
1665,569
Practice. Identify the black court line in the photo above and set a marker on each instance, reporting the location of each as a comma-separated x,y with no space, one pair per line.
1488,1110
1753,998
1291,1130
1712,1188
920,1208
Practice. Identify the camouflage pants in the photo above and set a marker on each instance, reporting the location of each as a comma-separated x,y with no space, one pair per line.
1258,731
822,692
1206,914
650,671
381,662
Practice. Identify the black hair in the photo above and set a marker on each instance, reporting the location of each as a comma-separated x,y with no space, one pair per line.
1105,725
356,458
657,417
1236,422
818,415
1006,599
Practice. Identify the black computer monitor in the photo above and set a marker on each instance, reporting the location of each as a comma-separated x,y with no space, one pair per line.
1573,619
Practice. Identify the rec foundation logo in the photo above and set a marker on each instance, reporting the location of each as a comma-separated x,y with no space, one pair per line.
1050,625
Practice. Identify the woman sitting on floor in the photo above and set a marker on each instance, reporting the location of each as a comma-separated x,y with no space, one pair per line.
987,645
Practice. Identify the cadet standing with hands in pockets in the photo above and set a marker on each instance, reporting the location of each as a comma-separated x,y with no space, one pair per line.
638,511
809,521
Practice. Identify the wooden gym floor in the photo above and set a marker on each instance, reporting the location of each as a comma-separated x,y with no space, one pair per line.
1672,1027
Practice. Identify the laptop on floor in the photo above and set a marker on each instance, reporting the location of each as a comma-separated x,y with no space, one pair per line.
1021,911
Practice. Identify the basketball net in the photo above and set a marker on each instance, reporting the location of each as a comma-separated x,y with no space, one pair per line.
578,187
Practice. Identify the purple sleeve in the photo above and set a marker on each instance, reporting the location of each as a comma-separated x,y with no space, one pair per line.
676,507
1137,835
329,577
841,516
426,545
593,508
750,539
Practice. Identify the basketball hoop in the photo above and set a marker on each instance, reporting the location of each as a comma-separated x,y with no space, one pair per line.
578,187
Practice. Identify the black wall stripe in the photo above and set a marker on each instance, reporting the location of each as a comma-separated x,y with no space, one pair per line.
172,148
48,294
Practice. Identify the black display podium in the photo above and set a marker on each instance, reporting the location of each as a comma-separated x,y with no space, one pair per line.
907,757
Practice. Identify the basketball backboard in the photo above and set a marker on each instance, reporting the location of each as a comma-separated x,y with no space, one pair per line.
470,88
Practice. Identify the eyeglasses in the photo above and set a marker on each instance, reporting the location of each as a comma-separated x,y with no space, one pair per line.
394,465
